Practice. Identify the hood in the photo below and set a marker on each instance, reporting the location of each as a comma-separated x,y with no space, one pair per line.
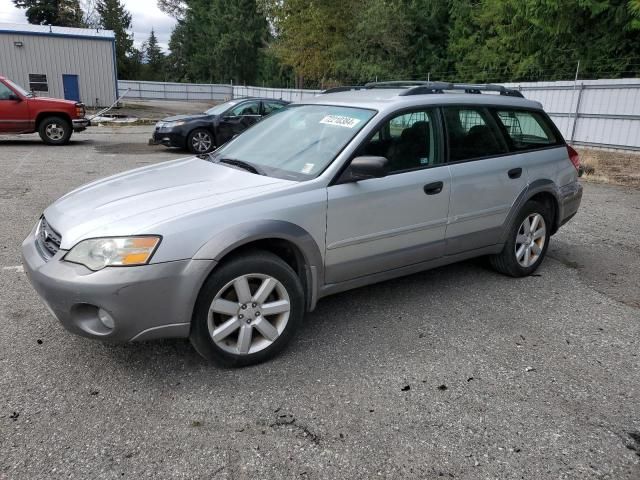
139,201
195,116
59,101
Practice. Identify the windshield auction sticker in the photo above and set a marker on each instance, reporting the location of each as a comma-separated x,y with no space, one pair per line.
340,121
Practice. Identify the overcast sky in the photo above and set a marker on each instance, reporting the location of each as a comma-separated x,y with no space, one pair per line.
145,15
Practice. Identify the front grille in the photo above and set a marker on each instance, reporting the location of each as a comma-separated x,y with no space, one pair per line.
47,239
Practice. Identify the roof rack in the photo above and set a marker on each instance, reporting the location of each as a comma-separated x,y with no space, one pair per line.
421,87
345,88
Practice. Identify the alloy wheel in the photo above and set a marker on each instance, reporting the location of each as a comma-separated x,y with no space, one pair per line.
530,240
248,314
201,142
54,132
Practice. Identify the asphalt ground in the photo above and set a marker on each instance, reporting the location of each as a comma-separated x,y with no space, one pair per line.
458,372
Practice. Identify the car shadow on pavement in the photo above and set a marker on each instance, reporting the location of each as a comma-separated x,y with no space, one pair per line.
343,319
40,144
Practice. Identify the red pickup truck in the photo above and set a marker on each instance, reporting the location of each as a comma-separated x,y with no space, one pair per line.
54,119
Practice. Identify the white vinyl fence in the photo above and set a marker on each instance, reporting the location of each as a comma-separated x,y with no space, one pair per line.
593,113
174,91
289,94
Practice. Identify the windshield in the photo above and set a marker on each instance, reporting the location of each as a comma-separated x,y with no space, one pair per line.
18,88
223,107
297,142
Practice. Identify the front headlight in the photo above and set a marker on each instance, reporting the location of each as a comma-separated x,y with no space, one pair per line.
97,253
176,123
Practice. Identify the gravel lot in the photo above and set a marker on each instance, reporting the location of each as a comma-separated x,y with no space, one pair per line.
455,373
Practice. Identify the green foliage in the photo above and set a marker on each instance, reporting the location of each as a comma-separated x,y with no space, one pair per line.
494,40
465,40
113,16
60,13
218,41
154,61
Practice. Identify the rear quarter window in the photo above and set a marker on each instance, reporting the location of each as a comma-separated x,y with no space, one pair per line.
527,130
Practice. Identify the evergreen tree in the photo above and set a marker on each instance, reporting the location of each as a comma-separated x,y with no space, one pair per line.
220,40
60,13
154,59
113,16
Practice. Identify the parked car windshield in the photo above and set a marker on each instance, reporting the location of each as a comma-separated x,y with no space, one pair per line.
18,88
297,142
223,107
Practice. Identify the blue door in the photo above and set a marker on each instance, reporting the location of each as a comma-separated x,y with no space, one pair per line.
71,88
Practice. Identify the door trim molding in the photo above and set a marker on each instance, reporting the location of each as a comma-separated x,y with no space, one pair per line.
371,237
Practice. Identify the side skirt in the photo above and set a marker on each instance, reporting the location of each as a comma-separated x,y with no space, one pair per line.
332,288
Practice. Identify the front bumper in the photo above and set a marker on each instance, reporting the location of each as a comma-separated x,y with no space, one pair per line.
146,302
80,124
167,138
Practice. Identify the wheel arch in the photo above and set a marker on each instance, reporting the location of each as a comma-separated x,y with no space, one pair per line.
290,242
208,128
46,114
542,190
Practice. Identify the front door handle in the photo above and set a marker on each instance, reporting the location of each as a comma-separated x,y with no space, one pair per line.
433,188
515,172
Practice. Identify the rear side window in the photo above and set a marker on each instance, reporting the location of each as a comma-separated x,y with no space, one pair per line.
269,107
473,133
527,130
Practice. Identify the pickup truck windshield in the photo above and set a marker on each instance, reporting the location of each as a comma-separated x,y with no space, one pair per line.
297,142
18,88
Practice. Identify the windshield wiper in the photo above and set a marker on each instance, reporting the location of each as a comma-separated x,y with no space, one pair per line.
244,165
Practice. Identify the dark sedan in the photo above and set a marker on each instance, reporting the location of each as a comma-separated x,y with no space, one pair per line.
202,133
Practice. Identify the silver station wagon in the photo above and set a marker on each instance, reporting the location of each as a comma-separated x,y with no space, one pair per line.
353,187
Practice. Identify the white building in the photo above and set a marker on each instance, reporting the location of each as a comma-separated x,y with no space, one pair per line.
73,63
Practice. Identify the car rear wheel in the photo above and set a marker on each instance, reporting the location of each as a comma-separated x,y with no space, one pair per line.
247,311
200,141
55,131
527,243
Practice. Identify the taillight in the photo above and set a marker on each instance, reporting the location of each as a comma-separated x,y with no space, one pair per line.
574,157
80,111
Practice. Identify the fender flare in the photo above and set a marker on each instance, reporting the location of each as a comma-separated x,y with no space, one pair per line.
538,186
228,240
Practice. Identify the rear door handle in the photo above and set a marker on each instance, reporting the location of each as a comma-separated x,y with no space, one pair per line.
433,188
515,172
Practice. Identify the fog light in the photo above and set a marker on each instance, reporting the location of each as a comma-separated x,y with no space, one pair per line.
106,319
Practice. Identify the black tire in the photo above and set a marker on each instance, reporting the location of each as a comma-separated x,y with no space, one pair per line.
506,262
261,263
55,130
200,141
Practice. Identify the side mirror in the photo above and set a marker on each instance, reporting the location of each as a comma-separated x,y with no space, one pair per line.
363,168
14,97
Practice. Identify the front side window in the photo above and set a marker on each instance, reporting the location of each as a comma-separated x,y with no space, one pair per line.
5,92
527,130
299,142
248,108
408,141
472,133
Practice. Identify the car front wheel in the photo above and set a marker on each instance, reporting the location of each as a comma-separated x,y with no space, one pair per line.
248,310
55,131
527,243
200,141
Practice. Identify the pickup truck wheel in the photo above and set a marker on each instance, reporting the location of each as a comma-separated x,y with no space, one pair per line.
200,141
55,131
247,310
527,243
